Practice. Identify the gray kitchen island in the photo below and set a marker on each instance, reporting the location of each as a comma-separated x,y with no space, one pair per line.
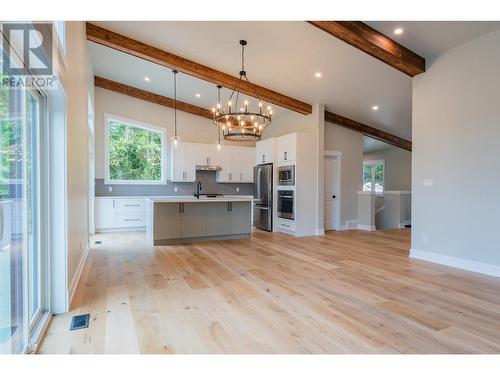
176,219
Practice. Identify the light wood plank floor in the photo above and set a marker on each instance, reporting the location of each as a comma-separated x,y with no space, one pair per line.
346,292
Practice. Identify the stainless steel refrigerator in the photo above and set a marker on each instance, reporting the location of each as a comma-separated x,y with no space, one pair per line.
263,194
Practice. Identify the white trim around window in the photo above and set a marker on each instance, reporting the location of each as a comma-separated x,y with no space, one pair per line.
137,124
374,162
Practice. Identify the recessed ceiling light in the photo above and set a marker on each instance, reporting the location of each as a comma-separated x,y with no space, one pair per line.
318,74
197,95
375,107
147,79
398,31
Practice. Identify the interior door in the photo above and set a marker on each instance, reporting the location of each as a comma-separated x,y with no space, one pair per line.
332,187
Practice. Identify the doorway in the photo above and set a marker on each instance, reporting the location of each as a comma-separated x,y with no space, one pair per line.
332,197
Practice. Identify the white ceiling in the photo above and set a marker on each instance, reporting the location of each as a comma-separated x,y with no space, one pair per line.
282,56
124,68
428,38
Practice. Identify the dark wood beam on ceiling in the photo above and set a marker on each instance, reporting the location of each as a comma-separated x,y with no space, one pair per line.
150,97
147,52
369,131
378,45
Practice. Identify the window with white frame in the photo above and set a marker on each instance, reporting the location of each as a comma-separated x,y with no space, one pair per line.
373,175
134,152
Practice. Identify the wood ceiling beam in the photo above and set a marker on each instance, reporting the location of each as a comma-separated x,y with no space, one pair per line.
147,52
150,97
369,40
369,131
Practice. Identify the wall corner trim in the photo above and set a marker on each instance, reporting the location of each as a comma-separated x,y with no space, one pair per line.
464,264
76,278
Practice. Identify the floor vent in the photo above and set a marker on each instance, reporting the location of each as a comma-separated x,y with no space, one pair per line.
80,322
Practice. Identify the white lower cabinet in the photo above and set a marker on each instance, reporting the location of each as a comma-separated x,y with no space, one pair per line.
286,225
119,213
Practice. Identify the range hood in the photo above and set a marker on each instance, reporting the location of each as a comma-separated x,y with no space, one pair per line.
208,168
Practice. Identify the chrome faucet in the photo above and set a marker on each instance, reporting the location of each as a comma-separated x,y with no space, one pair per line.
198,189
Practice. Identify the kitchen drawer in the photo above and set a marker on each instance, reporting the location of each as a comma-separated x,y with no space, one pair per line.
130,205
287,225
130,220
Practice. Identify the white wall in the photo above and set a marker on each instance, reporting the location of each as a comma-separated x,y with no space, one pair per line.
456,143
77,84
68,115
397,167
350,143
190,128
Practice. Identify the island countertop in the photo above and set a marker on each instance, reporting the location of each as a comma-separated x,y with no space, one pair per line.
191,198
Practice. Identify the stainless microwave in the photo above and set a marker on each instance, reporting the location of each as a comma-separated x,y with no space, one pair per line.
286,175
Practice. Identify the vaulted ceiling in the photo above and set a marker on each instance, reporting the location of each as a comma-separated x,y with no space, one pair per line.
284,56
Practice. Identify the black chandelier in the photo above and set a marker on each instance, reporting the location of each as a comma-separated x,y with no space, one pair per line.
239,123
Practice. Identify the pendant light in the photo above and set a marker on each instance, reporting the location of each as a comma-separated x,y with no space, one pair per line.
175,138
218,143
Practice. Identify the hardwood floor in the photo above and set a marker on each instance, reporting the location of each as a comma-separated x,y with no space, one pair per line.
346,292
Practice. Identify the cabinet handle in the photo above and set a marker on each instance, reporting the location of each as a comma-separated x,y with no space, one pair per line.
132,205
228,208
230,176
180,207
132,219
285,225
285,155
263,158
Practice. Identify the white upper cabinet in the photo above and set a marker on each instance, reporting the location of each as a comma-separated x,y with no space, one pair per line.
246,163
205,154
264,151
236,162
183,163
287,148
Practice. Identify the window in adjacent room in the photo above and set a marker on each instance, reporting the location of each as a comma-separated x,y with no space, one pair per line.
373,176
134,152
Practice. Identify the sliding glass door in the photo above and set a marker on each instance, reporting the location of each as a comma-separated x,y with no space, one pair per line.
23,260
33,222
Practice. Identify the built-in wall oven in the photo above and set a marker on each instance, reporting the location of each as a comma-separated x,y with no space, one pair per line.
286,204
286,175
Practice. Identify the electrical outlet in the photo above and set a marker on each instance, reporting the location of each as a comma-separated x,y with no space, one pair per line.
424,238
238,189
175,189
110,189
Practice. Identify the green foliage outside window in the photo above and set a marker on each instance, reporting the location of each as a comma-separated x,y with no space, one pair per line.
134,153
10,143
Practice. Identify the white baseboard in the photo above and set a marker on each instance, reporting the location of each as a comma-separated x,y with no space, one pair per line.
320,232
349,225
464,264
404,223
367,227
76,277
